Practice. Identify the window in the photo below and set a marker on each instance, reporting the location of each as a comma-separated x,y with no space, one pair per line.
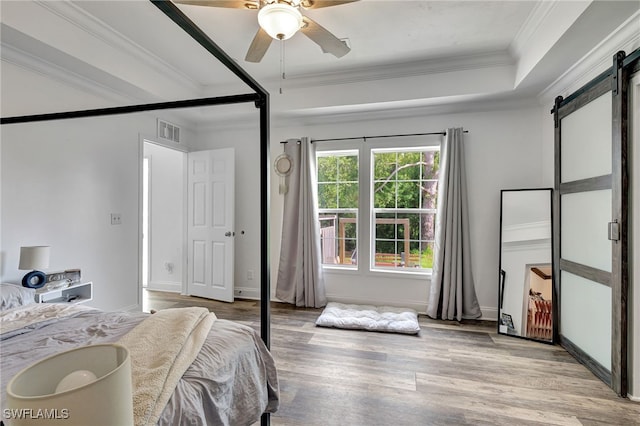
399,203
338,199
404,195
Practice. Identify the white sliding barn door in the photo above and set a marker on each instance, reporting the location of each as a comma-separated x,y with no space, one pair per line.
211,223
592,211
585,249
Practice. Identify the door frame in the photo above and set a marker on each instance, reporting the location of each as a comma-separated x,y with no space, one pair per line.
142,139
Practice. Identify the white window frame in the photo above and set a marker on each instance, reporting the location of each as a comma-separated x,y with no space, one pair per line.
365,231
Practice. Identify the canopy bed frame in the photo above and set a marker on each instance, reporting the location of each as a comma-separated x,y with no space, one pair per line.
260,97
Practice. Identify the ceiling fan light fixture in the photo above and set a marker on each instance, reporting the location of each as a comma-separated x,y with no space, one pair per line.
280,20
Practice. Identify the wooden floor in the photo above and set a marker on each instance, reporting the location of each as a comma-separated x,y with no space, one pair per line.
450,374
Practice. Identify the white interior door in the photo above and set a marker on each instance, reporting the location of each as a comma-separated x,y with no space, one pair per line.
211,223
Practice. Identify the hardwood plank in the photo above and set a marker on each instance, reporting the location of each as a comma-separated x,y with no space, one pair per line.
450,374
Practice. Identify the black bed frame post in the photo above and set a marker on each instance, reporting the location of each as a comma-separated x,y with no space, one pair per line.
262,102
265,274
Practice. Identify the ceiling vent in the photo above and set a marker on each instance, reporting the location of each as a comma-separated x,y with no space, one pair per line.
168,131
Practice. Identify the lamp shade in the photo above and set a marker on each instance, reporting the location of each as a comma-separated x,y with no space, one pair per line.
101,396
280,20
34,257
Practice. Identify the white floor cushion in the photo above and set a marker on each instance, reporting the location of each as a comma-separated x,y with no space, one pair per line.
371,318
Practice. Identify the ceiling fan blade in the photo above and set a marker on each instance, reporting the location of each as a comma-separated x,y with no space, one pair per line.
259,46
321,36
316,4
234,4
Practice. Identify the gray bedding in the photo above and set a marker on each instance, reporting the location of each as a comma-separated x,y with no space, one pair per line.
232,381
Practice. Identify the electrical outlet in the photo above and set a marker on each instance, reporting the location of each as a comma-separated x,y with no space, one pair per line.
116,219
249,274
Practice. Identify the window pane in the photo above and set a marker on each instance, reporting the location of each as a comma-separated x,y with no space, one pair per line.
409,165
385,231
384,165
338,195
421,255
348,195
408,195
431,166
348,168
384,196
327,195
429,194
327,169
427,226
338,238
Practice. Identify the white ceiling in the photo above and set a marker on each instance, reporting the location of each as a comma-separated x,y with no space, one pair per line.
69,55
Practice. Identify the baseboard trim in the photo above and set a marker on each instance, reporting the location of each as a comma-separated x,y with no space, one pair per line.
132,308
633,398
489,313
172,286
419,307
246,293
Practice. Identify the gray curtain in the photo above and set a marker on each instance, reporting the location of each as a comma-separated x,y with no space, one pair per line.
300,279
452,294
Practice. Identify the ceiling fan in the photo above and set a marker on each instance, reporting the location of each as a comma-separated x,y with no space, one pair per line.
281,19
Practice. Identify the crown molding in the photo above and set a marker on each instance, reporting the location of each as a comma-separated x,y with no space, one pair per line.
385,112
395,111
40,66
536,18
626,37
93,26
398,70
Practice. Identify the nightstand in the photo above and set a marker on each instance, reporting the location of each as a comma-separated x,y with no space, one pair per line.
75,293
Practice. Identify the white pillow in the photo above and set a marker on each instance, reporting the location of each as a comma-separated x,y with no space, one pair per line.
13,295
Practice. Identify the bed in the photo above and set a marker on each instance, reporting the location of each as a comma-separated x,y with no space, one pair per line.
231,381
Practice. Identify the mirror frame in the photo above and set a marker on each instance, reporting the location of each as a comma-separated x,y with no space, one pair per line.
501,272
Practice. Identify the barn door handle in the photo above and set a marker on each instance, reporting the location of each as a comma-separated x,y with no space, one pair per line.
614,231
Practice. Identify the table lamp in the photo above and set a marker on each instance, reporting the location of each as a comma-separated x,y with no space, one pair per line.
90,385
34,257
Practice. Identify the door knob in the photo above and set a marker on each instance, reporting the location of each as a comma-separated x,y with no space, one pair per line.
229,234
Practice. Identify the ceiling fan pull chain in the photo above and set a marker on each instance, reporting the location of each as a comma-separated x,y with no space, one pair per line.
282,75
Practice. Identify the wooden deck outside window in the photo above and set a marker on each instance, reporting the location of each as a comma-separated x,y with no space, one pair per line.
379,221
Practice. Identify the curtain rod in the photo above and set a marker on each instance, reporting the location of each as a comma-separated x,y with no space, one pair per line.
379,137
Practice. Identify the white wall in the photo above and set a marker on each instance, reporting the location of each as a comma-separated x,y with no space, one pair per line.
61,180
166,222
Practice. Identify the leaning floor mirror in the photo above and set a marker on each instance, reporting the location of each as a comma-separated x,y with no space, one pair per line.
525,292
